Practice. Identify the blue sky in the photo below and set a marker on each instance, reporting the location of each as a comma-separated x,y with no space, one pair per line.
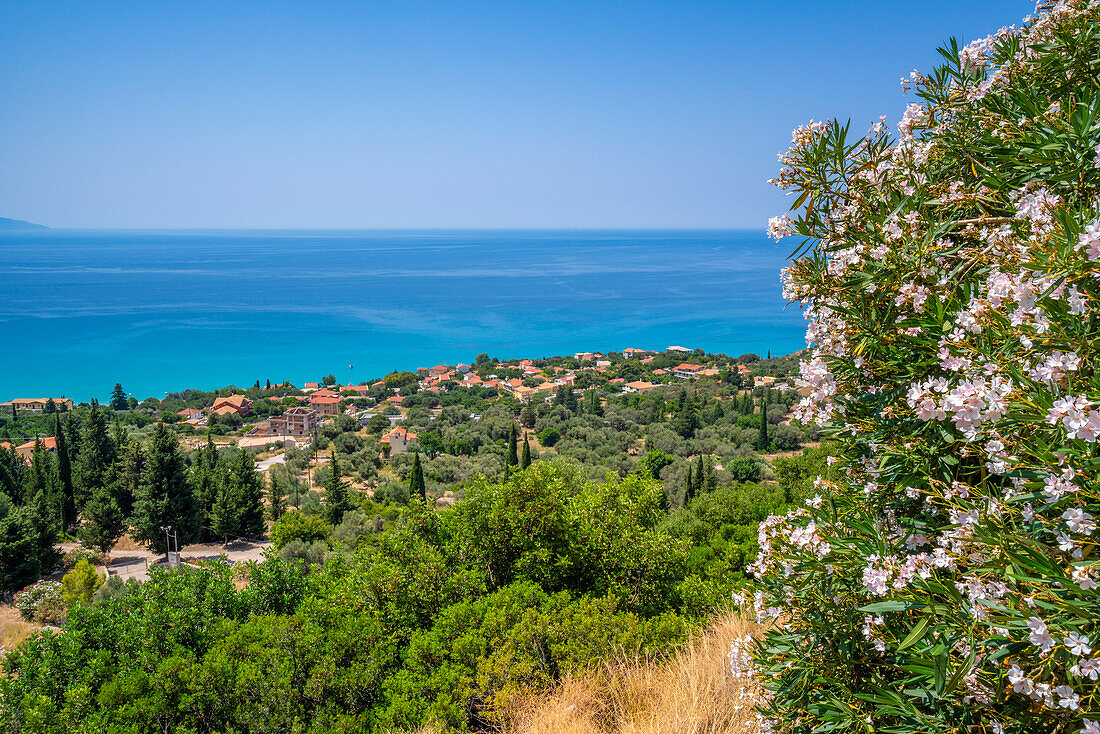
438,114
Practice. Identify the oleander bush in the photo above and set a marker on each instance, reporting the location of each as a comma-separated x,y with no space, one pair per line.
945,578
42,602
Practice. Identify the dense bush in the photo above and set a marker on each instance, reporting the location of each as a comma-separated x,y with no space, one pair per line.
43,602
946,581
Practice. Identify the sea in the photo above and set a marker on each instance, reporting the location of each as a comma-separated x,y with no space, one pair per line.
161,311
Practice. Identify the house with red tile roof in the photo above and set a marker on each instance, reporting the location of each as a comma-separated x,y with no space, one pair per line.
400,439
686,371
238,404
26,450
325,404
36,405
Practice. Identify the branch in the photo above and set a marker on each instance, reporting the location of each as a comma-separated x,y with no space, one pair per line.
987,220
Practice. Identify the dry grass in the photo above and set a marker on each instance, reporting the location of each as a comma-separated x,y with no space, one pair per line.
13,628
691,693
126,543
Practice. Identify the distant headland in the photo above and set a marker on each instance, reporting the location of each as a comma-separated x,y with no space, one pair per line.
12,225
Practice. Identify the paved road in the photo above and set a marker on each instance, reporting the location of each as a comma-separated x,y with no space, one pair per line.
268,463
135,564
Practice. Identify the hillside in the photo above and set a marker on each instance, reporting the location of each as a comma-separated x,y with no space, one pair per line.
18,225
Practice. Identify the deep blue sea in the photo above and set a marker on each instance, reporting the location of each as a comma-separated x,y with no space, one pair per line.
163,311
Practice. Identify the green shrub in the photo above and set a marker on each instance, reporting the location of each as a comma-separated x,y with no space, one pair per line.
297,525
78,585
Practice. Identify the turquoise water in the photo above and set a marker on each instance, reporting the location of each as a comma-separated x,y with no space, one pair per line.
163,311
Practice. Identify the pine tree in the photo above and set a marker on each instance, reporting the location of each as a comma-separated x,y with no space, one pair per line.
103,522
12,470
164,497
207,479
64,474
276,497
248,494
417,486
224,515
118,398
512,459
566,398
525,458
20,563
699,477
336,494
95,456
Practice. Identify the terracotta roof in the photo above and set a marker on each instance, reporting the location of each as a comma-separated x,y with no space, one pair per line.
49,443
324,399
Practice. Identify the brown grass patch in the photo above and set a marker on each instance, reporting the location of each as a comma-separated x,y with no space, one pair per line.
126,543
13,628
693,692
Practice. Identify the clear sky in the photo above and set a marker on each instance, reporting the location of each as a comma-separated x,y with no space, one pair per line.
166,114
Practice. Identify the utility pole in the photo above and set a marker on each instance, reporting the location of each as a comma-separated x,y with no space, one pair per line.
168,542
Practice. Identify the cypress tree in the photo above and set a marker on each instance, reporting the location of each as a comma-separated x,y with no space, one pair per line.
72,441
41,487
417,486
699,477
127,476
164,496
64,474
689,486
763,439
525,458
276,496
336,494
103,522
512,459
687,420
248,494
